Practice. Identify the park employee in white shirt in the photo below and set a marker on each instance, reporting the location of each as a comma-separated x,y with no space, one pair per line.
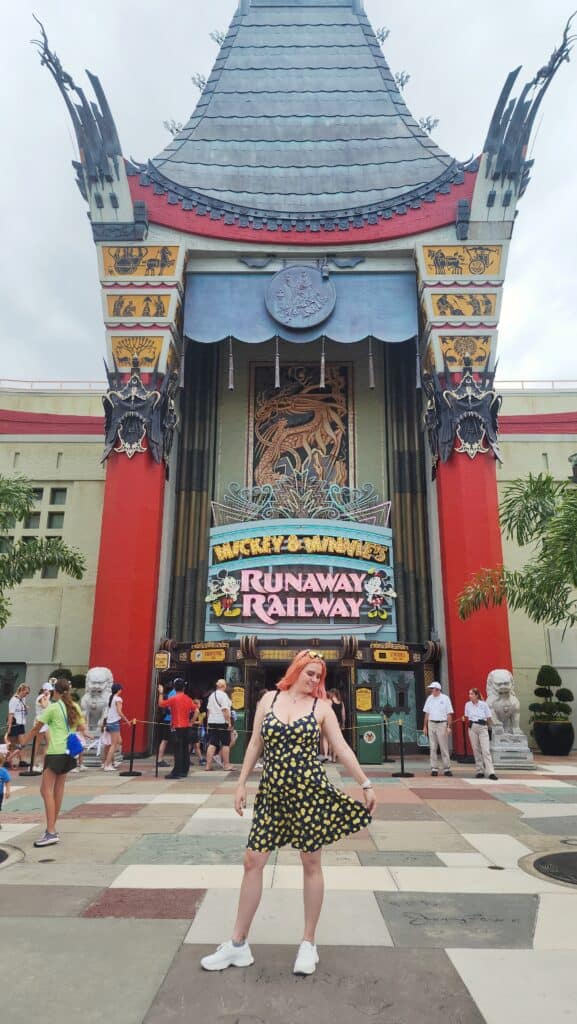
478,714
438,720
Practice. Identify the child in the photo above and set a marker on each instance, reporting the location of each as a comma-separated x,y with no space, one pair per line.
4,776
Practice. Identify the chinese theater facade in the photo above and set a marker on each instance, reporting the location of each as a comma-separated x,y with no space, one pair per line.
301,297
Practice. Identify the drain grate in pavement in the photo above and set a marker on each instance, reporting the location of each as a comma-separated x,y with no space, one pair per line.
560,866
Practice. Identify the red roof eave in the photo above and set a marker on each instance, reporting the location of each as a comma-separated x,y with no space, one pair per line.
15,422
427,217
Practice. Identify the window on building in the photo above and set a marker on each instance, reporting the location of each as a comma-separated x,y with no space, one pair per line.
32,521
56,520
26,540
58,495
50,572
38,494
5,544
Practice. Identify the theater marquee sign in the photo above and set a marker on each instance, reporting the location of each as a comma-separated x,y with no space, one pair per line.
307,577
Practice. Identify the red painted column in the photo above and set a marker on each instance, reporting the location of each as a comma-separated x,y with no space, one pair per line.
123,630
470,540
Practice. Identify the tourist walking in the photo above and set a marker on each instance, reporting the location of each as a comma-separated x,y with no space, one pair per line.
62,716
40,704
182,709
16,724
114,716
478,715
295,802
219,721
438,721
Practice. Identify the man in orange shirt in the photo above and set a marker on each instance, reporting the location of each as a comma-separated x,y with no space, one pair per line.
184,711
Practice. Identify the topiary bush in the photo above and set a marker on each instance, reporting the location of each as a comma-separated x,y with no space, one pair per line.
555,699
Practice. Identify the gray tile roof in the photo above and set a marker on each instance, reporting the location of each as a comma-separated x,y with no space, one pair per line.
301,118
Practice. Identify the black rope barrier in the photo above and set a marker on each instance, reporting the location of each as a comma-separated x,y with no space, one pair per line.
31,772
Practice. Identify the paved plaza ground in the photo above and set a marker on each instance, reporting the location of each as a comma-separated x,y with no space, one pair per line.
432,914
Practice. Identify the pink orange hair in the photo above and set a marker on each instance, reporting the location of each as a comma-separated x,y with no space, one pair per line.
299,662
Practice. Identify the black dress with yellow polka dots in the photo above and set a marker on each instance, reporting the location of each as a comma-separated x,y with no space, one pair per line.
295,802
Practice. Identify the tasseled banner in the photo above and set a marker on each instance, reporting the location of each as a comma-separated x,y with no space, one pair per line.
276,366
323,364
371,366
230,366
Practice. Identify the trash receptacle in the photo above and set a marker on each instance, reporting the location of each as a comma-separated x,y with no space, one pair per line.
238,751
370,738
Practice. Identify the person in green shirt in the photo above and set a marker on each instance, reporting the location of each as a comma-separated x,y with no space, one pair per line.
62,717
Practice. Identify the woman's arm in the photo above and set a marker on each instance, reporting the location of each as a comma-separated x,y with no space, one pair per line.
253,752
27,737
345,755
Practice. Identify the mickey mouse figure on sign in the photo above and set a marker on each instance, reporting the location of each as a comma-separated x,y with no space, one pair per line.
379,594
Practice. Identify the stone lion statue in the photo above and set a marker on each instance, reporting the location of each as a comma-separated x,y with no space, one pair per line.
95,701
503,701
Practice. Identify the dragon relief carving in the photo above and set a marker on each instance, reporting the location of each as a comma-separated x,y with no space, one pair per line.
461,417
302,428
140,417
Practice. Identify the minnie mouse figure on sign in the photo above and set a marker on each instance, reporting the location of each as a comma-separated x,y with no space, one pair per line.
379,593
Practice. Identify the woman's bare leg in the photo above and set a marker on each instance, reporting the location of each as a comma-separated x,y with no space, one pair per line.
47,787
250,893
313,892
59,784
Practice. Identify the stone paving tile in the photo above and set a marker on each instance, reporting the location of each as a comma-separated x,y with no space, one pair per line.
49,871
400,858
331,856
76,847
225,827
185,849
503,850
134,825
46,900
452,793
352,919
565,826
470,921
469,880
404,812
353,879
520,985
556,922
93,954
28,804
185,876
350,986
147,904
102,811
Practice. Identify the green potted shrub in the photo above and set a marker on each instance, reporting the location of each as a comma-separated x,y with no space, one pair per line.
551,715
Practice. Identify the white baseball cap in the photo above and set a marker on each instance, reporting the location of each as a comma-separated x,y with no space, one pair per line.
434,686
48,686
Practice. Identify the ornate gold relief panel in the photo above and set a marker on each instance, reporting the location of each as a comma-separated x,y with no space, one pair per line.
301,428
131,305
139,260
465,304
456,348
455,260
147,349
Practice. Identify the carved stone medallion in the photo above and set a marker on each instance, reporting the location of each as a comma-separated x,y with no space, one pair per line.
300,297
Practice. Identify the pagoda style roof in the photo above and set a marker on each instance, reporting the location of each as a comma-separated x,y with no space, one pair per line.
301,126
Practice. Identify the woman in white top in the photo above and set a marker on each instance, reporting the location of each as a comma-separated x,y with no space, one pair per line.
16,725
478,714
114,716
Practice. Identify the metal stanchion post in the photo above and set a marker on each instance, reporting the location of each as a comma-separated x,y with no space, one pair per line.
464,758
130,773
402,774
30,771
386,758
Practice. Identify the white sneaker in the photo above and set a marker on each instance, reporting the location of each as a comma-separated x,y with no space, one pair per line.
109,768
307,959
228,955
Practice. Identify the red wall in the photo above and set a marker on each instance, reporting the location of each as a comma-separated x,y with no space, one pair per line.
123,630
470,540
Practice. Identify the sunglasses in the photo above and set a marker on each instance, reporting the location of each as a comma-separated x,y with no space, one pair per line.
315,654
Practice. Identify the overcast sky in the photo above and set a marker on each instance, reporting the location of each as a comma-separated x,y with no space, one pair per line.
144,52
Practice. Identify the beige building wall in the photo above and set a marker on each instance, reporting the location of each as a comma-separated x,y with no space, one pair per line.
534,645
51,619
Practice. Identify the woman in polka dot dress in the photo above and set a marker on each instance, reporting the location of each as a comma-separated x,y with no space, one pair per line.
295,802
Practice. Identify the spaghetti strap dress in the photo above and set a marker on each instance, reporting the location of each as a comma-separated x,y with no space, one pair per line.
295,802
